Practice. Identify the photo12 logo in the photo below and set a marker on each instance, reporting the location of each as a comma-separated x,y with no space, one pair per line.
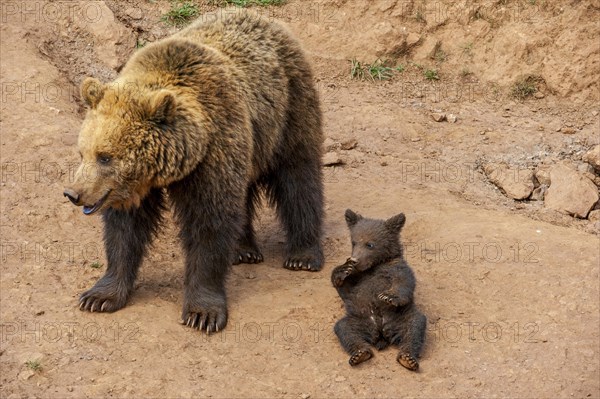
21,331
44,11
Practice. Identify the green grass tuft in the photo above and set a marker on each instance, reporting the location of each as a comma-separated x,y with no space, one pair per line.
525,87
431,74
96,265
374,71
247,3
34,365
180,13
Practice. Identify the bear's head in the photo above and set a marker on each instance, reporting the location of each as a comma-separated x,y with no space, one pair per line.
123,144
374,241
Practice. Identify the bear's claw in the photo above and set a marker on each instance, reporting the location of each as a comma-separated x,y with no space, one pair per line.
309,263
101,299
390,299
210,322
248,257
408,361
208,317
340,273
360,356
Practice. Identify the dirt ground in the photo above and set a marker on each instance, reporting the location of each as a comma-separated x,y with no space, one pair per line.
510,288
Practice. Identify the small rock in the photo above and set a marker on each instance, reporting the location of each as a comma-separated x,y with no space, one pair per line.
452,118
70,389
332,159
570,192
340,378
415,139
593,157
595,113
539,193
40,312
26,374
329,144
134,13
543,176
438,117
305,396
584,168
412,39
539,95
568,130
349,144
515,183
594,215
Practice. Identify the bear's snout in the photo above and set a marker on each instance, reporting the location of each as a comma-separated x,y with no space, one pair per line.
72,196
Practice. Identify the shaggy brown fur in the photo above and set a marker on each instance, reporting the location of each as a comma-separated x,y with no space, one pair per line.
377,286
212,114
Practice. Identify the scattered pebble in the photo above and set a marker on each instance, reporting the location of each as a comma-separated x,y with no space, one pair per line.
593,157
594,215
539,193
568,130
134,13
332,159
438,117
452,118
340,378
349,144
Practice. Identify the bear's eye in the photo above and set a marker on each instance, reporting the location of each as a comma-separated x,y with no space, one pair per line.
370,245
104,159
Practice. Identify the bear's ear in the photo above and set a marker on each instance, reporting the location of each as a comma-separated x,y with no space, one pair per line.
92,91
352,218
395,223
161,106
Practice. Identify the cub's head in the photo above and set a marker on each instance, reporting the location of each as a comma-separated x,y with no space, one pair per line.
374,241
121,144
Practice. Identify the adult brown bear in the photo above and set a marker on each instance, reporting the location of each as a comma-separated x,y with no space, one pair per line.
209,115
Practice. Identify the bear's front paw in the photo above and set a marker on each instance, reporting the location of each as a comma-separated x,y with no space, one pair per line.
390,299
105,296
361,355
205,315
340,273
311,260
248,256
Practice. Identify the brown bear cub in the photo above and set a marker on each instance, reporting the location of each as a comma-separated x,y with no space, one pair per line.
377,286
210,116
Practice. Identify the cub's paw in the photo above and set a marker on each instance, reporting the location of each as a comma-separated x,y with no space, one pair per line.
361,355
205,315
248,256
340,273
390,299
311,260
105,296
408,361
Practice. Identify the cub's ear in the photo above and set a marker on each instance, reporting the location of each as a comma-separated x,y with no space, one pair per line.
161,106
395,223
92,91
352,218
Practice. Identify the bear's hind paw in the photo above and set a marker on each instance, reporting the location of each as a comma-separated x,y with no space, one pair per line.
361,355
408,361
